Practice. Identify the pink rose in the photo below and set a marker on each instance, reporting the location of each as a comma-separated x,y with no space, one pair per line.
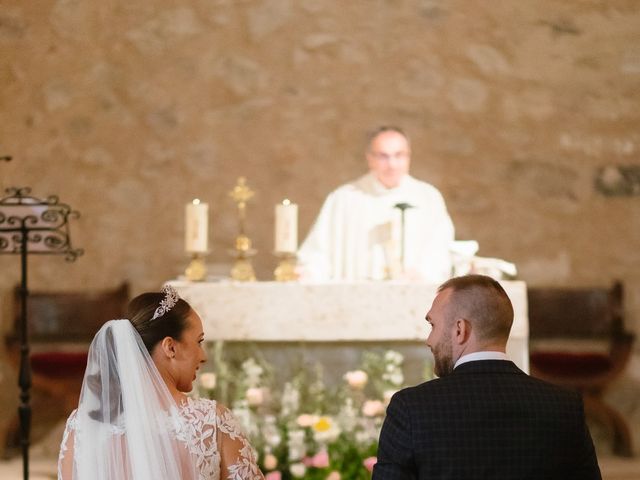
387,396
276,475
306,420
372,408
334,475
270,461
356,379
319,460
255,396
369,463
208,380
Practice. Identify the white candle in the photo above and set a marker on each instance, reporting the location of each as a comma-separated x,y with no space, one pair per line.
196,227
286,227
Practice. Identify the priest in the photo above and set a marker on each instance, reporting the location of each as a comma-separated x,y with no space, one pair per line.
384,225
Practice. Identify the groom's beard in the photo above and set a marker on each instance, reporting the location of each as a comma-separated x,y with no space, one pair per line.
443,356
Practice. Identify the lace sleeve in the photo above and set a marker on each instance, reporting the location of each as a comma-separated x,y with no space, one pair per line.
237,458
65,457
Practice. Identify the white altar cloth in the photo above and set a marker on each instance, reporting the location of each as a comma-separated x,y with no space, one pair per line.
331,312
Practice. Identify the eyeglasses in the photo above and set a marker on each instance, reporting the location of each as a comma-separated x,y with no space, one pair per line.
387,157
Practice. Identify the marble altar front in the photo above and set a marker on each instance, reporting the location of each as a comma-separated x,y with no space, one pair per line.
331,312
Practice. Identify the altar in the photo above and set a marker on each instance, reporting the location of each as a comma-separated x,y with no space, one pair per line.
331,312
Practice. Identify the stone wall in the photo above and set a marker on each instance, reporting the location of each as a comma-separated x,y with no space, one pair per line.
524,113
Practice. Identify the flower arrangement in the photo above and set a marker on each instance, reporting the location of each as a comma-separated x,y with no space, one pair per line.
306,429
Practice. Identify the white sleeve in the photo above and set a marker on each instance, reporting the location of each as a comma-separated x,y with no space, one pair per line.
315,253
237,458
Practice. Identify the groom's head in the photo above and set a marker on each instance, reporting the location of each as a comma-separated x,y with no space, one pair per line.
469,314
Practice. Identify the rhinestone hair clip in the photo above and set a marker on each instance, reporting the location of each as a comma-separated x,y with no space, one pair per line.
167,303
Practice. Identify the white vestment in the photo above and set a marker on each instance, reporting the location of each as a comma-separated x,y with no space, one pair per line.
358,233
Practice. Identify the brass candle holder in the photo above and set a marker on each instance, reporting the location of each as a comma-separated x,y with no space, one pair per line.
242,269
196,271
286,269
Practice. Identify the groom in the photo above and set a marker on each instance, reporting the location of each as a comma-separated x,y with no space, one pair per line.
483,418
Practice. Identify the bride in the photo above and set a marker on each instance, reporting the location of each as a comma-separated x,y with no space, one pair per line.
134,420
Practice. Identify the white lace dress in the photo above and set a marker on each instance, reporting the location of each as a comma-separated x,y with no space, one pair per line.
208,431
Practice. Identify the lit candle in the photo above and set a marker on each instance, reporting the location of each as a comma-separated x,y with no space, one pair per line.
197,227
286,227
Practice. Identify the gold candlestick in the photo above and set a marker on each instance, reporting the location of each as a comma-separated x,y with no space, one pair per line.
196,270
286,269
242,270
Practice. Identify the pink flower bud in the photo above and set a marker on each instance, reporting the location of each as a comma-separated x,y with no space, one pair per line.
369,463
270,461
321,459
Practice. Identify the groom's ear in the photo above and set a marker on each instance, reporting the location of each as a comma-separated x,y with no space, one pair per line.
168,346
462,331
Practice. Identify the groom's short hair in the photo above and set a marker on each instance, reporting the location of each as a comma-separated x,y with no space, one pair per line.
482,301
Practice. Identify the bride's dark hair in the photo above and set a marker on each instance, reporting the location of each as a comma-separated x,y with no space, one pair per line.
171,324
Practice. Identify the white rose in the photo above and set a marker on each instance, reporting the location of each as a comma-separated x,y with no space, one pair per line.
393,357
296,452
296,436
296,444
298,470
362,437
208,380
290,400
397,378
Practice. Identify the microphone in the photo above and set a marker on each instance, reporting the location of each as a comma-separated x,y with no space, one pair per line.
402,207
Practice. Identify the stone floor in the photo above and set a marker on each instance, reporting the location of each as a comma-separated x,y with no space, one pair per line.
613,468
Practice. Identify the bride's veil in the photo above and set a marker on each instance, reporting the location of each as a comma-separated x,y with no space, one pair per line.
126,419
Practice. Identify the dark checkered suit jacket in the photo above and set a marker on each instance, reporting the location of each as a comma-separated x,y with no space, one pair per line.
487,420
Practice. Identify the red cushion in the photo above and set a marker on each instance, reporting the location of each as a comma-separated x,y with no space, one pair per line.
59,364
571,364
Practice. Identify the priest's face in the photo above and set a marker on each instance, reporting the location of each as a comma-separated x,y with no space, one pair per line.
388,157
440,338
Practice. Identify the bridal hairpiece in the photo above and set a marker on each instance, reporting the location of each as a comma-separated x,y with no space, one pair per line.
167,303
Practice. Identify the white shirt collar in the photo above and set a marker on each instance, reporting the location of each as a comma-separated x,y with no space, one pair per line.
472,357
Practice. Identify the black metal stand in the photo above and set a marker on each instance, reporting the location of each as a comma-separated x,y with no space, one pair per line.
29,225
